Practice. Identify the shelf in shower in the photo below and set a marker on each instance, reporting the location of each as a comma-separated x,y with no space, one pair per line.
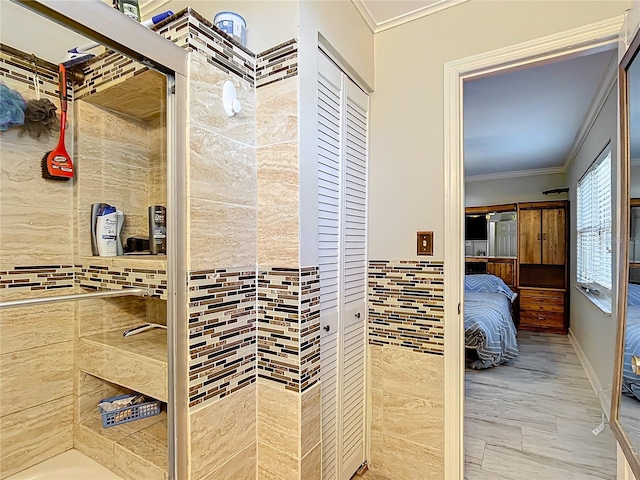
138,362
151,262
133,450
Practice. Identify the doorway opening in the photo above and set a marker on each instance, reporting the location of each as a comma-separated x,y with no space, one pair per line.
541,53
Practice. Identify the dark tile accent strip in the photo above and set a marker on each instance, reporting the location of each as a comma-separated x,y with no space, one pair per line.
406,305
277,63
222,333
95,276
187,29
289,327
16,68
37,277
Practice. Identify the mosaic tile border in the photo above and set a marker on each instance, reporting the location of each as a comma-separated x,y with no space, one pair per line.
406,305
95,276
222,333
279,326
15,67
219,49
107,70
309,327
187,29
277,63
35,278
289,326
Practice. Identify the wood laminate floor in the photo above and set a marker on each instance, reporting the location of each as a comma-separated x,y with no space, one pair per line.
532,418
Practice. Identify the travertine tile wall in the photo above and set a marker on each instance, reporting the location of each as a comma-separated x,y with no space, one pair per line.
36,343
407,369
289,446
222,236
114,164
222,172
289,440
278,197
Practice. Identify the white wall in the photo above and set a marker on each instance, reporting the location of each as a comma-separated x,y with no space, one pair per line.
407,178
349,37
516,189
269,22
45,38
594,330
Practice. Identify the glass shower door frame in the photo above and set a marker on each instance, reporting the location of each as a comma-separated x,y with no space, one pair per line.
103,24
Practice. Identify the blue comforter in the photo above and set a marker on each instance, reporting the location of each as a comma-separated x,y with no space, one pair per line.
488,323
631,381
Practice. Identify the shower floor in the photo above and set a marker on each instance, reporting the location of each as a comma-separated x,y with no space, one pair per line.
71,465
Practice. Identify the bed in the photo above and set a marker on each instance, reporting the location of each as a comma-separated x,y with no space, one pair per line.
488,320
631,381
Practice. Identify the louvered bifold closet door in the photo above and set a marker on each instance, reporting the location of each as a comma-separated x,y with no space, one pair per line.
342,217
354,224
329,154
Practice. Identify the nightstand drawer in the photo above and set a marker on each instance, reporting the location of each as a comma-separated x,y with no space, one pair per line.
541,295
541,319
542,305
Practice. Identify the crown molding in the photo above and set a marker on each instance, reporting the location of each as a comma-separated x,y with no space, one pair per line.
377,27
515,173
609,80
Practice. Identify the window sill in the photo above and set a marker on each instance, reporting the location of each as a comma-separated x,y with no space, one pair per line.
601,301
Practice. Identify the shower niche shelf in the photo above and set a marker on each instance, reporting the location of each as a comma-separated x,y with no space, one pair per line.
133,450
151,262
138,362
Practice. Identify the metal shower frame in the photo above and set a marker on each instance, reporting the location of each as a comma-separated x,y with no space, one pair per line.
101,23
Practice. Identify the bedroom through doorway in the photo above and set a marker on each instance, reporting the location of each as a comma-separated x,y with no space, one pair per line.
532,397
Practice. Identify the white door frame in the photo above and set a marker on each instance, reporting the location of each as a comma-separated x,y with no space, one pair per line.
573,42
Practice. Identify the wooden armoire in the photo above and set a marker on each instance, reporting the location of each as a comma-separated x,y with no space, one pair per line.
543,268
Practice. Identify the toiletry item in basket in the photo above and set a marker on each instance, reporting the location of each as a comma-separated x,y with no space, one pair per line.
95,208
157,229
106,231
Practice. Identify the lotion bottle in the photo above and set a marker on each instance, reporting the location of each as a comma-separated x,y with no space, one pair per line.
106,231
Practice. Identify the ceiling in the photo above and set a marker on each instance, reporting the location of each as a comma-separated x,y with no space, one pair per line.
530,119
384,14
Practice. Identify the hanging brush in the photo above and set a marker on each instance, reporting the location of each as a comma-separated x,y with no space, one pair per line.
57,164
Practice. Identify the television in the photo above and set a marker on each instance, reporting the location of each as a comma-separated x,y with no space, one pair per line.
475,228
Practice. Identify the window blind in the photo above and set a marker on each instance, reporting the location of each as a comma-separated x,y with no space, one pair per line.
594,225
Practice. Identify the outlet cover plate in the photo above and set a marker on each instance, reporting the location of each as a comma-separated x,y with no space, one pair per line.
425,243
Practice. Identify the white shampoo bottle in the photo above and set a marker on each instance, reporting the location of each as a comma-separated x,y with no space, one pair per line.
106,231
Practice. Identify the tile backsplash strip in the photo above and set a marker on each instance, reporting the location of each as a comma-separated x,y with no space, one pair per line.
13,66
222,332
289,327
96,276
107,70
37,278
279,326
187,29
406,305
309,327
277,63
